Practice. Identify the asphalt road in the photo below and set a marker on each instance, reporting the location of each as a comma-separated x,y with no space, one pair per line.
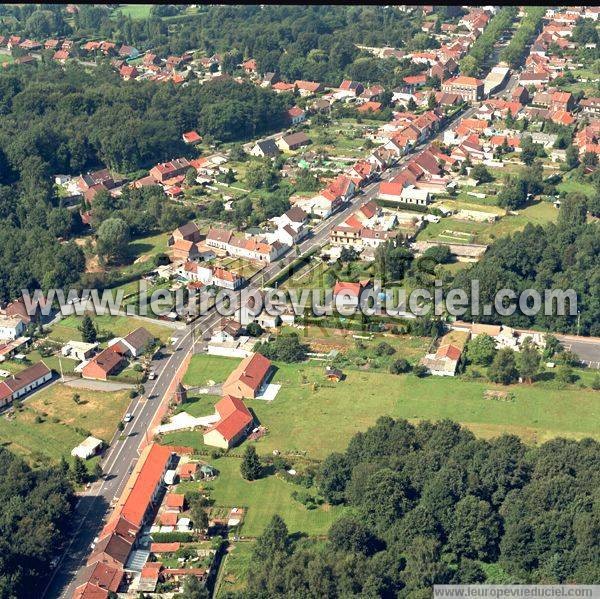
587,348
118,461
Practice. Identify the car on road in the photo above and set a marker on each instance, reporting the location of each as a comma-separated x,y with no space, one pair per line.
128,417
152,375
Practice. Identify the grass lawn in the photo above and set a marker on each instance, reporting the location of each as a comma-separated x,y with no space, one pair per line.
135,11
572,186
67,328
57,433
236,568
313,416
204,368
264,498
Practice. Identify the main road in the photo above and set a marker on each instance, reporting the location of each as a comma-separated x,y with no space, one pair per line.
94,504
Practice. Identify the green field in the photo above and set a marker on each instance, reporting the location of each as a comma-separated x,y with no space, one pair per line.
264,498
572,186
458,231
314,417
135,11
97,412
208,368
67,328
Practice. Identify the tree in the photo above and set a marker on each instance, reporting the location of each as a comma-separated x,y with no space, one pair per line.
250,468
400,366
504,367
350,534
198,515
596,383
333,475
254,329
194,589
411,105
440,254
481,350
384,349
420,371
273,540
571,157
79,472
529,362
89,334
573,210
97,471
480,173
190,176
286,348
113,240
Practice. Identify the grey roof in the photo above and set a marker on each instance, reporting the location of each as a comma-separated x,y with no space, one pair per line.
268,147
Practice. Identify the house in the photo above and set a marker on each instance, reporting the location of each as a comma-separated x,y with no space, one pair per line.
11,327
295,115
134,344
128,72
97,580
347,295
61,56
352,86
295,216
248,377
227,331
100,177
191,137
269,79
562,101
175,502
266,147
235,421
307,88
250,66
590,106
469,88
149,577
18,385
128,52
168,170
187,232
103,365
292,141
221,277
445,360
281,87
369,107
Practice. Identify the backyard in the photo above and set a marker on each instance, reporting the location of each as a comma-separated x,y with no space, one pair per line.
263,498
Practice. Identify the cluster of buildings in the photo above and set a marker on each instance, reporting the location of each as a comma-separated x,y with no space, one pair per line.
119,560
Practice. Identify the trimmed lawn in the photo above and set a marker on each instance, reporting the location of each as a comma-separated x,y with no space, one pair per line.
204,368
264,498
63,422
572,186
314,417
67,328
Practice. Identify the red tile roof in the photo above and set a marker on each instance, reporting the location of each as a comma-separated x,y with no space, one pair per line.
234,415
251,371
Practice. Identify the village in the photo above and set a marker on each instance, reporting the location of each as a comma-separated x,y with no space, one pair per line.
438,168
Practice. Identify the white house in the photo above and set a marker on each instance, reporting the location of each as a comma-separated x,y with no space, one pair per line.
11,327
87,448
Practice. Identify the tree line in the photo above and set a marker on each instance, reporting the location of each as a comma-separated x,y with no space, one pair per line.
431,504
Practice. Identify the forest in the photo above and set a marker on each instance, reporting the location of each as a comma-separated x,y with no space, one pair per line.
35,509
431,504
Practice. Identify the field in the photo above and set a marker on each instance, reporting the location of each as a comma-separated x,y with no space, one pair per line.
263,499
67,328
47,426
459,231
301,418
135,11
208,368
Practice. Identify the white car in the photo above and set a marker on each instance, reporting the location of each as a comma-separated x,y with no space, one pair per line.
152,375
128,417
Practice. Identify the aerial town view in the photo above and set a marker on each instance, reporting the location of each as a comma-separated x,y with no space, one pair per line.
299,301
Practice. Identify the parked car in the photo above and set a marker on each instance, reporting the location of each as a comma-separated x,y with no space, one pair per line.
128,417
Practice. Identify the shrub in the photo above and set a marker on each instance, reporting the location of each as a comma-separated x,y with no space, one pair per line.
400,366
384,349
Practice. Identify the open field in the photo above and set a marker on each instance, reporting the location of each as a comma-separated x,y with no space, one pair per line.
67,328
459,231
50,423
205,368
135,11
300,419
263,499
